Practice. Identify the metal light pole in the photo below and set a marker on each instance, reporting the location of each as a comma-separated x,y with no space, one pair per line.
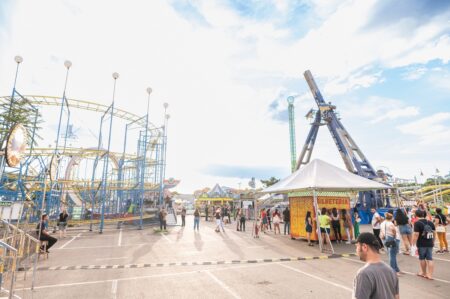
105,163
163,155
149,91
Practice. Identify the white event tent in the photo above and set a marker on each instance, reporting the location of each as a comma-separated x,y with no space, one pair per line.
319,175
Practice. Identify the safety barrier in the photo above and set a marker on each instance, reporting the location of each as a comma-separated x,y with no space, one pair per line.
19,251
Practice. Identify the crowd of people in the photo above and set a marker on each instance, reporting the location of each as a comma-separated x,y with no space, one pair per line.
417,229
336,219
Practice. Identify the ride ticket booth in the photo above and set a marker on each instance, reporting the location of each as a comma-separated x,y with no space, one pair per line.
302,202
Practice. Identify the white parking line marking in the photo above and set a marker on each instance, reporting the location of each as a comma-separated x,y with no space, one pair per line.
114,289
111,258
409,273
65,244
111,246
165,237
119,243
316,277
223,285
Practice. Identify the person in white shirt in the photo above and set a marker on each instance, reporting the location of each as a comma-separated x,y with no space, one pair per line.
376,221
391,237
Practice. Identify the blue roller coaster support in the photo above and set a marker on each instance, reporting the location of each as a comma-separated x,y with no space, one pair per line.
354,159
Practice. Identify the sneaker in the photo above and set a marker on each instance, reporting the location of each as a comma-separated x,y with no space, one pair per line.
348,242
439,251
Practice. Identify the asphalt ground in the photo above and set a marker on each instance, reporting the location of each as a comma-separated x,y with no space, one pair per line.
181,263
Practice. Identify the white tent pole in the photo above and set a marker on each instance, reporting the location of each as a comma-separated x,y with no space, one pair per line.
316,210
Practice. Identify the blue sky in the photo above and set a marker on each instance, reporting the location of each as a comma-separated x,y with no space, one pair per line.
227,67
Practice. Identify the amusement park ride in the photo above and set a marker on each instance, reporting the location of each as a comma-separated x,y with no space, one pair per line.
92,183
354,159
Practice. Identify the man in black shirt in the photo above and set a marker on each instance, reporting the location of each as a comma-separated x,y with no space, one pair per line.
287,220
43,234
424,236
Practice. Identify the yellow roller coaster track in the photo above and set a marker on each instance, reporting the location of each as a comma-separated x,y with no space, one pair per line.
39,100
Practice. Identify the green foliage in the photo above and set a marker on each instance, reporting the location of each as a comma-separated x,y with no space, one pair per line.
269,182
20,112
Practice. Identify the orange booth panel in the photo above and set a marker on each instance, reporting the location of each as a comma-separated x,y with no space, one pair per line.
300,205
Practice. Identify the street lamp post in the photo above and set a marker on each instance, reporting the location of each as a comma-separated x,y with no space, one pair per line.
141,213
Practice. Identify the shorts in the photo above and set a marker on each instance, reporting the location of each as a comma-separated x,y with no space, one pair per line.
323,229
308,228
405,229
264,220
425,253
62,225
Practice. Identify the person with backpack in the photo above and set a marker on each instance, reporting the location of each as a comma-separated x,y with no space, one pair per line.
441,222
424,236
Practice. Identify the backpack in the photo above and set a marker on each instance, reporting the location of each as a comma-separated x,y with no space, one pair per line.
427,230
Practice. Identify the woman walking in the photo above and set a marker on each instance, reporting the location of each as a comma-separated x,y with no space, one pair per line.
276,222
440,222
62,223
404,226
237,218
391,239
336,225
347,225
263,220
308,227
356,222
196,219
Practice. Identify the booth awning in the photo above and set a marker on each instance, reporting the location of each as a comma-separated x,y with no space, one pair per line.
319,175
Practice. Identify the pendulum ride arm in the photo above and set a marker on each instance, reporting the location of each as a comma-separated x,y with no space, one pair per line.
307,149
354,159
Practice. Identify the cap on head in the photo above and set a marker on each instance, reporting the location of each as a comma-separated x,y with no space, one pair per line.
370,240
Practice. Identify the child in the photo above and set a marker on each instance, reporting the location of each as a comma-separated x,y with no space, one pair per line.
256,229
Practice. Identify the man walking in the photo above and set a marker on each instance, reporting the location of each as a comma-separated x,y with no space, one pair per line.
287,220
424,236
162,219
183,216
375,280
376,221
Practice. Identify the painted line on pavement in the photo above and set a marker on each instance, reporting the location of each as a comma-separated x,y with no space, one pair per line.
70,241
111,258
223,285
114,289
200,263
409,273
165,237
316,277
119,243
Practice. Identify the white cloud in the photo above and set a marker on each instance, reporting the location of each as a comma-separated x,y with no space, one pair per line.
397,113
377,109
431,130
415,73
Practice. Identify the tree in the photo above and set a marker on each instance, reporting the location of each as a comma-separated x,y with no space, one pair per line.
20,111
269,182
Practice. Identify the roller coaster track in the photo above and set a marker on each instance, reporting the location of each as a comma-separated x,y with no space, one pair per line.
39,100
